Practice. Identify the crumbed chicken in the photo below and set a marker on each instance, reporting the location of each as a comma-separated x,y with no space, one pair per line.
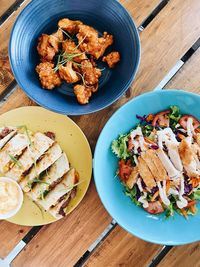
69,47
169,167
82,93
49,79
90,42
48,45
197,138
189,159
112,59
68,74
70,26
145,173
90,73
155,165
132,178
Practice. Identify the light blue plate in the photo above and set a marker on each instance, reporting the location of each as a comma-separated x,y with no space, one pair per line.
156,229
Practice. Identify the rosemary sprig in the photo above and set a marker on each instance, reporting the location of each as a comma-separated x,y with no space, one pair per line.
17,162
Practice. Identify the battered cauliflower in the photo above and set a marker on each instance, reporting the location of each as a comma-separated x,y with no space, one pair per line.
90,73
112,59
68,74
48,78
70,26
82,93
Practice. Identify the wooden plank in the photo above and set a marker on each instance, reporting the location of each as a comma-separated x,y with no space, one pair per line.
183,256
140,9
10,236
187,77
122,249
165,40
4,5
6,76
64,242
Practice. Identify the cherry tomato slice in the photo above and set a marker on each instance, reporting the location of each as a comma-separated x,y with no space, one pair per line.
184,118
124,170
161,118
155,207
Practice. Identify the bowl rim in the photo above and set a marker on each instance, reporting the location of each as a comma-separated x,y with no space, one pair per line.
20,200
127,84
135,233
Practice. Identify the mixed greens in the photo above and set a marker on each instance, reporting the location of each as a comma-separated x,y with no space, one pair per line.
159,163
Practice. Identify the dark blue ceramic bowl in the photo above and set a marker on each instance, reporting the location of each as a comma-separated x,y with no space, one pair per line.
42,17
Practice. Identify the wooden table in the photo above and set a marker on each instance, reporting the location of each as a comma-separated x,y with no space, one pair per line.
169,33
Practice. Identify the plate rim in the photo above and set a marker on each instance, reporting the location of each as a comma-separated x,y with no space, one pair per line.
89,151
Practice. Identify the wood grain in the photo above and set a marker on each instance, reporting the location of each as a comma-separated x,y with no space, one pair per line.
10,235
6,76
183,256
165,40
64,242
188,76
140,9
4,5
122,249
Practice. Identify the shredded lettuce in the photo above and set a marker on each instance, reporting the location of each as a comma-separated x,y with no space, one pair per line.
174,116
119,147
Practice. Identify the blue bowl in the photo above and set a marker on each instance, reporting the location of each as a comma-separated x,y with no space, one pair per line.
42,17
152,228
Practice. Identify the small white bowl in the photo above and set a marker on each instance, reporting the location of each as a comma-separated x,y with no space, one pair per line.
20,200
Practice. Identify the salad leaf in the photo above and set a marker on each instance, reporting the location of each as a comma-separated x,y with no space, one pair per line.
169,211
196,195
132,193
174,116
146,129
119,146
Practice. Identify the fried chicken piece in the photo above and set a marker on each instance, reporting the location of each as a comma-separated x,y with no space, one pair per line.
48,45
90,43
70,26
189,159
112,59
155,165
90,73
70,47
82,93
145,173
55,39
48,78
68,74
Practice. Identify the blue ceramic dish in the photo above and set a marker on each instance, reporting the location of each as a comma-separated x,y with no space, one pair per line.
42,17
152,228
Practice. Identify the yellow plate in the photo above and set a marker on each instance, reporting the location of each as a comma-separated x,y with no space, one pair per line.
72,141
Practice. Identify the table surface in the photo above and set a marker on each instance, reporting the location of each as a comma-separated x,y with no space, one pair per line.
169,32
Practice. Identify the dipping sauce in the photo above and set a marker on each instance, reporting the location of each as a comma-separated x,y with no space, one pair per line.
9,197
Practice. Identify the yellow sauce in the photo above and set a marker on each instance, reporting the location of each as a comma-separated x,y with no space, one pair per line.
9,197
